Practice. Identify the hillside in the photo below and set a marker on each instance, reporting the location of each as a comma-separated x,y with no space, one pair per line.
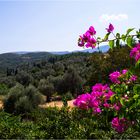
15,59
12,60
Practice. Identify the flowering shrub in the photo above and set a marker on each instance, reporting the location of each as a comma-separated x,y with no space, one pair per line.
88,38
96,100
120,125
117,77
122,97
135,52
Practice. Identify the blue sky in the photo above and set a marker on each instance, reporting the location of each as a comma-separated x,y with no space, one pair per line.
54,25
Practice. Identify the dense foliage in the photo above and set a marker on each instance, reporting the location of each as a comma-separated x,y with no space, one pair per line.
52,123
120,99
110,109
22,100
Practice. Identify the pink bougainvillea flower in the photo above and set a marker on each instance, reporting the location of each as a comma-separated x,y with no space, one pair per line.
91,43
99,87
94,103
117,77
106,105
124,71
133,78
82,101
137,45
88,44
110,28
117,106
97,110
135,52
120,125
114,77
86,36
108,95
137,57
99,90
87,39
81,43
92,30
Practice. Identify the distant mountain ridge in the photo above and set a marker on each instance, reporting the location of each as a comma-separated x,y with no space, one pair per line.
103,49
15,59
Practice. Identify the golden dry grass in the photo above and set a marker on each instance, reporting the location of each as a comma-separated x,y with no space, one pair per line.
58,104
1,104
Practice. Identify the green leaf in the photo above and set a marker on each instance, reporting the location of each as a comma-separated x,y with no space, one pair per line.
136,96
133,106
138,34
121,115
129,41
117,43
137,65
122,101
112,98
138,102
106,36
118,35
129,30
98,38
115,113
123,37
111,44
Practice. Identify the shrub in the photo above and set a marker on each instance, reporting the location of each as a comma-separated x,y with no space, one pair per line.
121,98
68,96
3,89
71,82
21,100
46,88
55,123
24,78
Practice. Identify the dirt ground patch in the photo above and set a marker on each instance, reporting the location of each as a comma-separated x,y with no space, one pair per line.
57,104
1,104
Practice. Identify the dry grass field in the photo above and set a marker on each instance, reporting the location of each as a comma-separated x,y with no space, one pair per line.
58,104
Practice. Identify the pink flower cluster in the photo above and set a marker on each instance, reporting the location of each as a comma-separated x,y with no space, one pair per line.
116,76
83,101
110,28
120,125
87,39
97,100
135,52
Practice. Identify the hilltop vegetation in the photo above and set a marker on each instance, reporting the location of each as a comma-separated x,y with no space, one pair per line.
86,68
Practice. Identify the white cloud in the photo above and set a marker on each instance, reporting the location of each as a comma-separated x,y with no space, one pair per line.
119,17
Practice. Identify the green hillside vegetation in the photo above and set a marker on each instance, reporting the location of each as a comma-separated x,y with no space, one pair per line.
62,73
26,78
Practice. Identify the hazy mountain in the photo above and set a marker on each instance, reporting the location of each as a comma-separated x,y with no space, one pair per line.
61,53
103,49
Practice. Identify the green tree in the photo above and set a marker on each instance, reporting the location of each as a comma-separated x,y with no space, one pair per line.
46,89
71,82
21,100
24,78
